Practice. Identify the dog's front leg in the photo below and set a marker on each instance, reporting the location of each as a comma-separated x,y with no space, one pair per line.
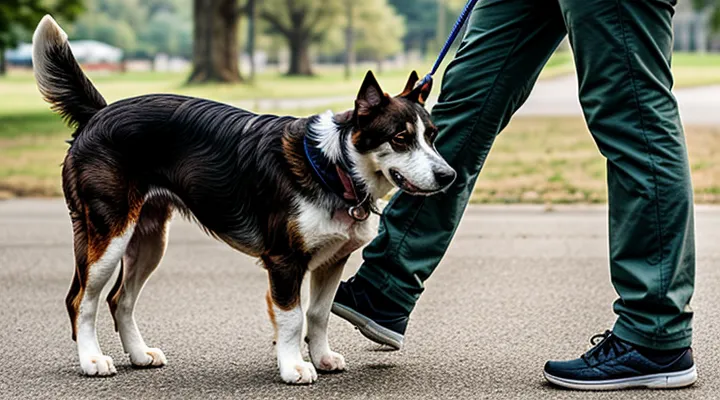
285,310
323,286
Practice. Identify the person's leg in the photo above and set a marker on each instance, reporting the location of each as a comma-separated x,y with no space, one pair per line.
622,52
506,45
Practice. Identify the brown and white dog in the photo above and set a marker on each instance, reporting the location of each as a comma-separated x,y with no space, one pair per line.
294,192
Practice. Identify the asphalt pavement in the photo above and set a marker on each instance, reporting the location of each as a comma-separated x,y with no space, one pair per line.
518,286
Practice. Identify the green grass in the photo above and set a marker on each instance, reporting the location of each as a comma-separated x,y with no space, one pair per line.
554,160
535,160
696,69
710,60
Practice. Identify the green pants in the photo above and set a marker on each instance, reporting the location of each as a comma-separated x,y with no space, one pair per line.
622,51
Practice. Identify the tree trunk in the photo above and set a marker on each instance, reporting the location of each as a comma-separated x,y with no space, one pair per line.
215,45
441,34
252,22
299,54
349,45
3,62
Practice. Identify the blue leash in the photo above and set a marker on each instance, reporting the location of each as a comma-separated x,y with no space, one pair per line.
453,35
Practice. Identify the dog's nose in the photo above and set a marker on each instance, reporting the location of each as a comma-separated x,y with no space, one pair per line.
445,177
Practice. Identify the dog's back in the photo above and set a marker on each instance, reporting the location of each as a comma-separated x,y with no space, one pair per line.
204,157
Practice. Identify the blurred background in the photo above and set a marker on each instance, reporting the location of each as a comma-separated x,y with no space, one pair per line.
299,57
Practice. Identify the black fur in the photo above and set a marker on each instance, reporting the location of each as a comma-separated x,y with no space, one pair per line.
230,178
73,96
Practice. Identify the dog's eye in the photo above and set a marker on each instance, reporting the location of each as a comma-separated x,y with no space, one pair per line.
401,138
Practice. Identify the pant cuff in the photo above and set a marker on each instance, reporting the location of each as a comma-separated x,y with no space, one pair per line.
657,343
382,282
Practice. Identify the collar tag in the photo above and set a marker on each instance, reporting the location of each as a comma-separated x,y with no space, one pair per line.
358,212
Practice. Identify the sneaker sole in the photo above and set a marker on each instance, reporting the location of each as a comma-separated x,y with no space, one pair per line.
670,380
369,328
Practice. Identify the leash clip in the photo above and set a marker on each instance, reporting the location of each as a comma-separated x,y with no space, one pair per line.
358,211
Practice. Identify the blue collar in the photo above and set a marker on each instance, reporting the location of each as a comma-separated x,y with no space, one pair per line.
336,179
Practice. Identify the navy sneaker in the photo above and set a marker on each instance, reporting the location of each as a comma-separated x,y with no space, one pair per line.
377,317
615,364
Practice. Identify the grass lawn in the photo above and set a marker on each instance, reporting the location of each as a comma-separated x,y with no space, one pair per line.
696,69
554,160
535,160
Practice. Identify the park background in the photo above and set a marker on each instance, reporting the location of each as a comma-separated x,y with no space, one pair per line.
519,285
299,57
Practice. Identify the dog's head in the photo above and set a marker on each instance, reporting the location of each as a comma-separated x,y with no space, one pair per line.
394,139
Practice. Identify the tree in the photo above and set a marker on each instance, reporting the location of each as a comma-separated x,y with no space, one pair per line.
349,38
252,29
166,33
379,32
421,17
101,27
712,7
301,23
18,17
141,28
215,41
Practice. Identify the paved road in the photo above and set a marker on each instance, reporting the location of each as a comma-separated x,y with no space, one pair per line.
519,285
559,97
556,97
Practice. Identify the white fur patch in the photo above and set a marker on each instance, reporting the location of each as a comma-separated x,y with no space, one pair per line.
47,34
324,284
293,369
138,268
328,136
92,361
432,155
329,239
418,165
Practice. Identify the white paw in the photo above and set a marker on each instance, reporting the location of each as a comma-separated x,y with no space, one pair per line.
331,361
150,358
97,365
299,374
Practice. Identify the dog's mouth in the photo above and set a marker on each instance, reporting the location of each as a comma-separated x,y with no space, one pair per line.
406,186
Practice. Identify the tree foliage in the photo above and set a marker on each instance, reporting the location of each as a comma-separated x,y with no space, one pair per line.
711,6
142,28
301,23
19,17
421,17
379,30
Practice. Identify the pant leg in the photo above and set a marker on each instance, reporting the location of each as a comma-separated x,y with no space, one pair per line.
623,50
506,45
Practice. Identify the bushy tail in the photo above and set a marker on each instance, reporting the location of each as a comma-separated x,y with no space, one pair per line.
59,78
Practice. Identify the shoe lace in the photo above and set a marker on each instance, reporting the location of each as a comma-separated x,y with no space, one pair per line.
604,344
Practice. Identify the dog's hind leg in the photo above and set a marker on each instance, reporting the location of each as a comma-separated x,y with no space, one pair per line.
284,307
323,285
143,255
103,253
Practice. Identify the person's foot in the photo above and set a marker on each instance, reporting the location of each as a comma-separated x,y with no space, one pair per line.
615,364
377,317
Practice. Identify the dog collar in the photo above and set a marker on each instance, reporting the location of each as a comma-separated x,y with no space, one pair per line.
336,179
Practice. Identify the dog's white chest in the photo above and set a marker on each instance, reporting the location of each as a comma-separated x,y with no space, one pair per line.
330,238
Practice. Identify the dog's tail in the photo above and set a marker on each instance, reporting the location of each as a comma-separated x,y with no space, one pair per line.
59,78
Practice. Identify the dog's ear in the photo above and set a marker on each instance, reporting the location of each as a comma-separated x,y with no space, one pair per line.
421,93
410,85
370,97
